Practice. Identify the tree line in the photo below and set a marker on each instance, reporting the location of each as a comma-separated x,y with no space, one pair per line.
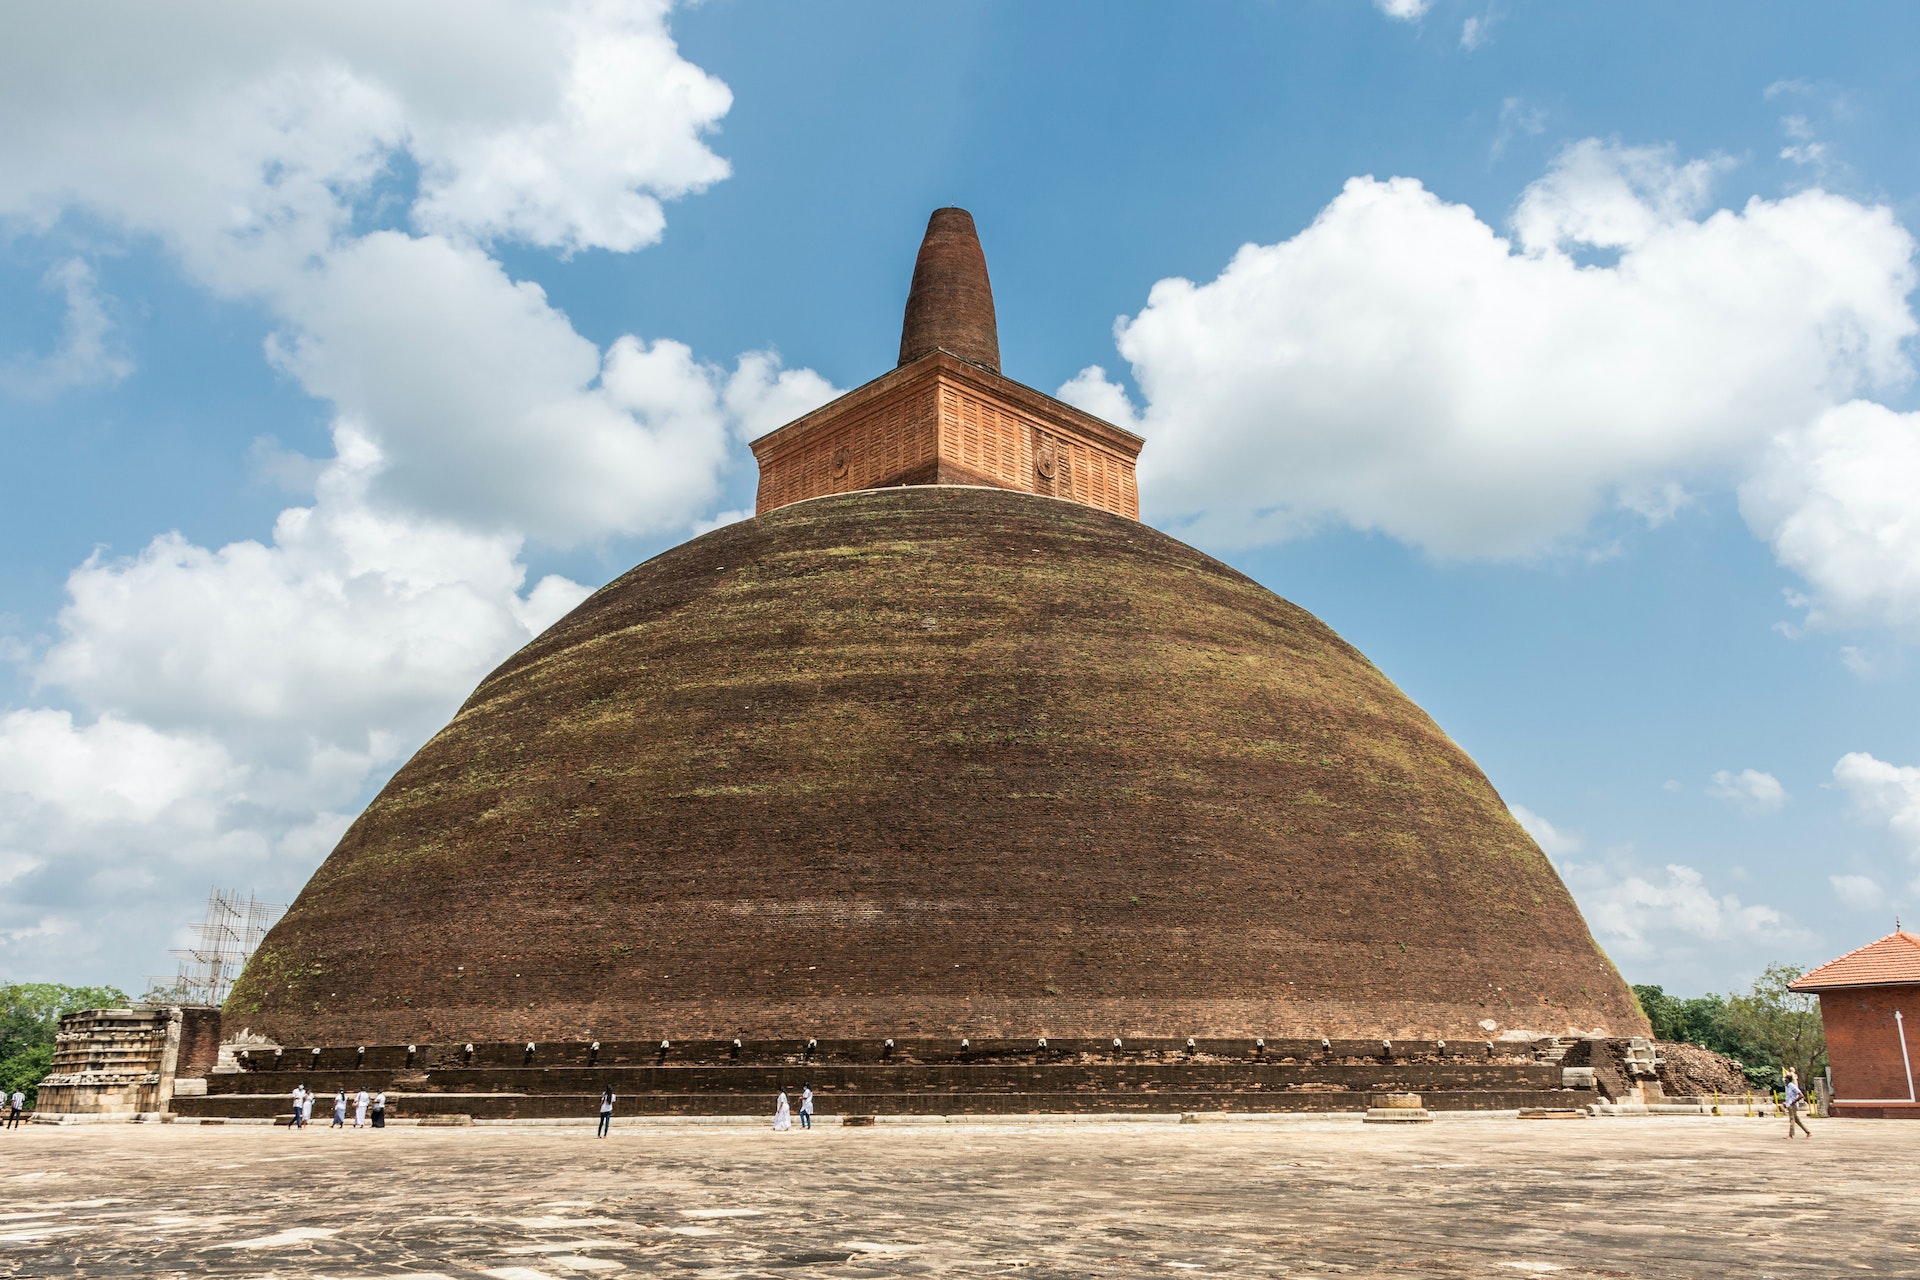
1765,1029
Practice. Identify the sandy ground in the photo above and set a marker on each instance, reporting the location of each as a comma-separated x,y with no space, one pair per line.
1640,1197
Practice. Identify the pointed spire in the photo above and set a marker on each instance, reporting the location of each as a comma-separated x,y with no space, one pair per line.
951,303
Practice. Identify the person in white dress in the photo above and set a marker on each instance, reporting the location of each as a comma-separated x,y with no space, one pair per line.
782,1114
360,1109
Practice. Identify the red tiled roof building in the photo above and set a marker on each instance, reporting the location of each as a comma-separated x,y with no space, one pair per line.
1865,996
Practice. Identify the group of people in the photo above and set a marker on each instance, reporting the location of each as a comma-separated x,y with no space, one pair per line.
783,1110
366,1108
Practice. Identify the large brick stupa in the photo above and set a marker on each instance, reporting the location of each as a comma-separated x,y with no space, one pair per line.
943,743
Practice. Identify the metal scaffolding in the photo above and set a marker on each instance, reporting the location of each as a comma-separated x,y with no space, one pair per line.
228,937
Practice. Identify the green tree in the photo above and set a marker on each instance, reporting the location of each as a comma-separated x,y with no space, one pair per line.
30,1015
1663,1011
1786,1024
1707,1021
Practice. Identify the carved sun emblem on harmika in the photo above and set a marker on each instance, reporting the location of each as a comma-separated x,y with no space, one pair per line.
841,457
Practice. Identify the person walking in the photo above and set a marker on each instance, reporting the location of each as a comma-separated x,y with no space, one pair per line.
806,1105
782,1114
306,1108
339,1110
299,1107
16,1104
360,1109
606,1111
380,1109
1794,1100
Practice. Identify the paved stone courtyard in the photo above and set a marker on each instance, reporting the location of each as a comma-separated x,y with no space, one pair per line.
1664,1197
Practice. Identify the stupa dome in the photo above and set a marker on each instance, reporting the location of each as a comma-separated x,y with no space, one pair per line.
933,760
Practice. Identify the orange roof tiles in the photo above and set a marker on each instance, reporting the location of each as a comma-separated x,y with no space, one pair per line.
1893,959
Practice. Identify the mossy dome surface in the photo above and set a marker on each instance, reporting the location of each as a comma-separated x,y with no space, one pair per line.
933,761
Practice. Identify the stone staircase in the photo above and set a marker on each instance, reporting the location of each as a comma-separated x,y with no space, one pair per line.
1554,1050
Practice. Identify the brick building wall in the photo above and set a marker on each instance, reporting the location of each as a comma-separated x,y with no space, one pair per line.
943,421
1872,1051
199,1041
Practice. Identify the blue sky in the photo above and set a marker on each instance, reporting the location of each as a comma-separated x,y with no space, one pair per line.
1569,374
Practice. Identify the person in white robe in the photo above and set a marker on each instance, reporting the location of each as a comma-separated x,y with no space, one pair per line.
360,1109
782,1114
306,1109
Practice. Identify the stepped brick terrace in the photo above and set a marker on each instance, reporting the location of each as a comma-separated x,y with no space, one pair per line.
1655,1199
514,1081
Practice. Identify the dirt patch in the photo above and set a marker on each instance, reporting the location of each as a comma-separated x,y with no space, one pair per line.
1690,1070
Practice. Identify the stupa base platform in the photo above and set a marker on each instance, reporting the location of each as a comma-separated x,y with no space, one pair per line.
544,1082
504,1106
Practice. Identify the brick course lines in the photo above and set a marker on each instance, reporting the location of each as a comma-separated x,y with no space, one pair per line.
941,420
933,761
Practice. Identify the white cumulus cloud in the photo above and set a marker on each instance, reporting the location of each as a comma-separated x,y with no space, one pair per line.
492,410
240,700
258,148
575,174
111,771
350,171
244,137
354,622
1402,366
1862,893
1884,793
1671,916
1750,789
1404,10
1554,842
87,354
1836,500
1666,919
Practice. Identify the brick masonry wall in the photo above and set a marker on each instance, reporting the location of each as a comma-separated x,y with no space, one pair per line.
933,762
930,1077
950,303
199,1042
939,421
879,444
1863,1041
